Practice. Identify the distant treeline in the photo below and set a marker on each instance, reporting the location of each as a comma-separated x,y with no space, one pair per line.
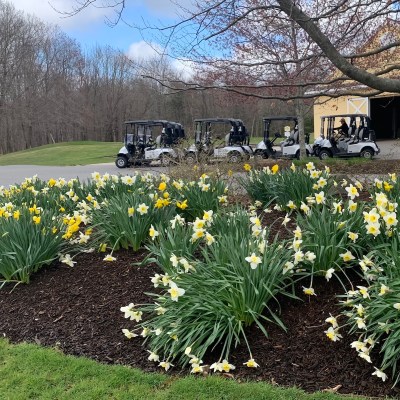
52,91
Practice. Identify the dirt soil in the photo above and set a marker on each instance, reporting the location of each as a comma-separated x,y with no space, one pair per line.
77,310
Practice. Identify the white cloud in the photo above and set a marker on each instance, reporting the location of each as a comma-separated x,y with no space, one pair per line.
184,68
47,12
142,51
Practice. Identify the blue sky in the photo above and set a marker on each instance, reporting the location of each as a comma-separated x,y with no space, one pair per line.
89,27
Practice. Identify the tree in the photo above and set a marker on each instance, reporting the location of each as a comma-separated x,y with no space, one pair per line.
281,49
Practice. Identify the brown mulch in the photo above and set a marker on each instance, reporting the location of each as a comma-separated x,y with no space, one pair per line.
77,311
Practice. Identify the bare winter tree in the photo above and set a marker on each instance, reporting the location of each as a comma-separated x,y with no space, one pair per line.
282,49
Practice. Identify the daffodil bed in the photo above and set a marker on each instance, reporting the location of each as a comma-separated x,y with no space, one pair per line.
155,272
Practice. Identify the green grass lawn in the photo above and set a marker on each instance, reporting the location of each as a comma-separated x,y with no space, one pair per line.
31,372
68,153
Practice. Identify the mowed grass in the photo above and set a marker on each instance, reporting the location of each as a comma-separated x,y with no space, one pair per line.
28,371
68,153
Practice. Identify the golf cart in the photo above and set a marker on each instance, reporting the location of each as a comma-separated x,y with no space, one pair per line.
235,149
290,147
358,141
140,148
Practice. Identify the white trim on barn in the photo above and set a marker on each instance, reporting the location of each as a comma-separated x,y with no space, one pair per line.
358,105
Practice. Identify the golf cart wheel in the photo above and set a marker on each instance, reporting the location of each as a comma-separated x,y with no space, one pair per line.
191,158
259,155
234,157
325,154
367,153
121,162
166,160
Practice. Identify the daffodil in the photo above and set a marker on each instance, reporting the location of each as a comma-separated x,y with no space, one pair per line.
320,198
247,167
275,169
165,364
128,333
197,368
329,273
285,220
251,363
226,367
333,334
380,374
175,291
310,166
253,260
142,209
182,204
210,239
67,259
309,291
363,291
109,258
352,192
347,256
128,310
383,290
352,236
153,233
332,320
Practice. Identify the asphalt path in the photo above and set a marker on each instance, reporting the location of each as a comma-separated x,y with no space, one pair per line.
15,174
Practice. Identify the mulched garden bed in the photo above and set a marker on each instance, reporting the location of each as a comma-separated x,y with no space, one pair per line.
77,310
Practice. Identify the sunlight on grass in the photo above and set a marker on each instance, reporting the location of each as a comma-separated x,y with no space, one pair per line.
58,376
60,154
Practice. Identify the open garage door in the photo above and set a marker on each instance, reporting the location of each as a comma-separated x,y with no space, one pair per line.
385,117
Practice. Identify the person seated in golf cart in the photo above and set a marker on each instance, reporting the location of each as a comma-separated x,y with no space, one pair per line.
343,129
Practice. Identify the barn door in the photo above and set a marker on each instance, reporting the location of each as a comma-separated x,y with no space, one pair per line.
358,105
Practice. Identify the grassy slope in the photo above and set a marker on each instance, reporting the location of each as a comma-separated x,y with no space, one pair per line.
30,372
68,153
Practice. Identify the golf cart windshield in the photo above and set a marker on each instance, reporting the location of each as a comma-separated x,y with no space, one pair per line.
285,126
233,130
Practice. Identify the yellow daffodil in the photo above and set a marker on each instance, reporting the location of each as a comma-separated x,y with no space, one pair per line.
247,167
275,169
182,205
